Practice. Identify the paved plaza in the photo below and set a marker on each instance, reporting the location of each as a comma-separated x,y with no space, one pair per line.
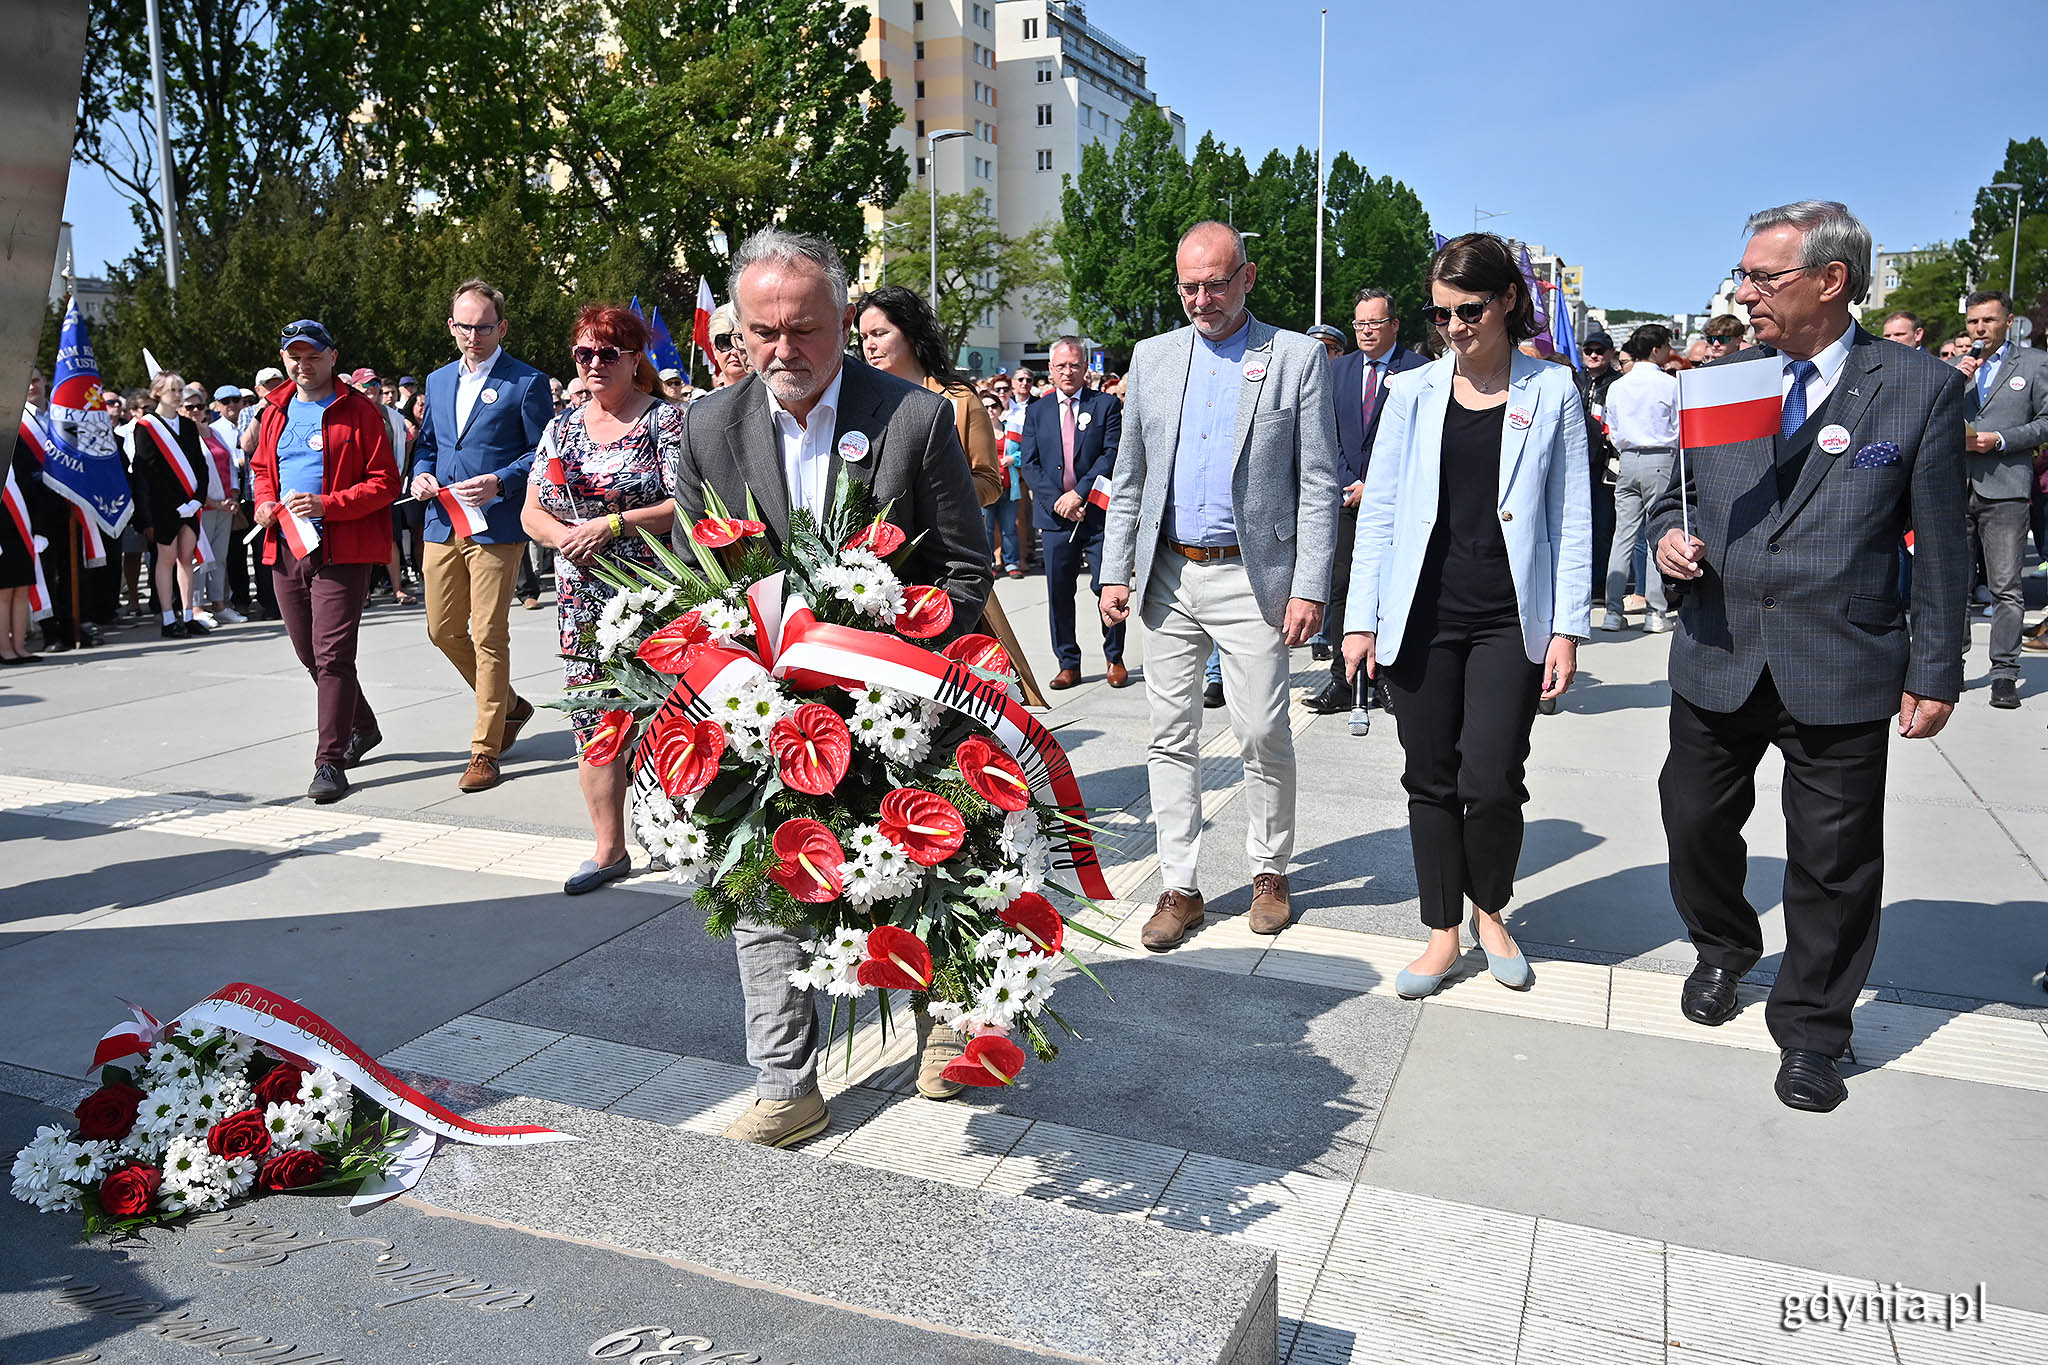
1575,1174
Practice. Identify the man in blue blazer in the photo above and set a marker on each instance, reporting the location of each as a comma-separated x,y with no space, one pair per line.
485,416
1358,384
1069,440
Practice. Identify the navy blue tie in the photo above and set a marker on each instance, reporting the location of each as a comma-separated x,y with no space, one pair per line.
1795,401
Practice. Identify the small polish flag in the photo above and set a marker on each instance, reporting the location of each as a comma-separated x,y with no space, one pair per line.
302,535
1721,404
700,327
467,521
551,471
1098,496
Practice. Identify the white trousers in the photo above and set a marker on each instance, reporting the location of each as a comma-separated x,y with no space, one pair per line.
1188,607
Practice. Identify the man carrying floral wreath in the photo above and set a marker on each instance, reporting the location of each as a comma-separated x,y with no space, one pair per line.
783,437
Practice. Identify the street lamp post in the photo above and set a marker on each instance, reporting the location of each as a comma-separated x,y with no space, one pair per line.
2012,287
931,170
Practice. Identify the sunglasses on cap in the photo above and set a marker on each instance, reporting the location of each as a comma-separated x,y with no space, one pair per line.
588,356
1468,313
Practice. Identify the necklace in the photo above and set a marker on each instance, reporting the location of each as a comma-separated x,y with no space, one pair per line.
1492,385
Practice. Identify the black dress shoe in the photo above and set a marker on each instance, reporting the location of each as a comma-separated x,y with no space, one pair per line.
1320,652
359,745
328,785
1709,995
175,631
1331,700
1212,696
197,627
89,635
2005,694
1808,1080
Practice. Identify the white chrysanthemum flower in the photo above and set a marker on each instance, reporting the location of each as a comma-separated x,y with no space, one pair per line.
865,839
216,1097
145,1146
165,1110
990,947
875,701
999,1003
1000,887
688,843
187,1163
318,1090
198,1035
241,1175
847,944
860,560
56,1198
724,621
857,884
169,1065
284,1122
232,1060
888,858
906,741
845,985
37,1165
871,729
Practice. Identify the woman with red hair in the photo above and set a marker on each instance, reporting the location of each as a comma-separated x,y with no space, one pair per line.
602,478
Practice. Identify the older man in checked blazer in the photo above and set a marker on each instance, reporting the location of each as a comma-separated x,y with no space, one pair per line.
1221,526
1791,633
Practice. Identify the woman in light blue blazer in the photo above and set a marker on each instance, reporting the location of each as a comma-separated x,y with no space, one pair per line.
1470,587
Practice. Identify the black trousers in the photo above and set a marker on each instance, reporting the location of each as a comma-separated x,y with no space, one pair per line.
1834,853
1067,549
1465,697
1340,589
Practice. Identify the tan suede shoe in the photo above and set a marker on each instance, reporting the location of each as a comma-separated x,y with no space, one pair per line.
1178,912
939,1046
1271,909
480,775
781,1123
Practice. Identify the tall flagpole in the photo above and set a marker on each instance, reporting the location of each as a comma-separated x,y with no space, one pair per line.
168,204
1322,73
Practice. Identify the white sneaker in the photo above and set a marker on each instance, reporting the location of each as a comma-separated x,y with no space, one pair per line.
1614,620
1655,624
231,616
205,618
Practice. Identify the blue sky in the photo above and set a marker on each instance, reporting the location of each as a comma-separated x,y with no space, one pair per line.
1633,139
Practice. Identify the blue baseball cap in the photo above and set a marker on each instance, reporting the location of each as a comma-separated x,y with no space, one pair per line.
225,392
307,330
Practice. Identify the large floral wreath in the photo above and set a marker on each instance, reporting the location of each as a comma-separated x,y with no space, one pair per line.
803,760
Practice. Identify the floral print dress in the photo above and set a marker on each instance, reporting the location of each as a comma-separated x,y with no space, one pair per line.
598,480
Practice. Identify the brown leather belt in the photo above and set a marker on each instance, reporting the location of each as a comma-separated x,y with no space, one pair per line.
1203,554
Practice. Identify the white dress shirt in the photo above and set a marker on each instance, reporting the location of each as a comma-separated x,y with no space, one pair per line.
469,383
1828,364
807,447
1642,409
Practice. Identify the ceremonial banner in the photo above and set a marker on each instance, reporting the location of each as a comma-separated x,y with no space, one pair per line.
1721,404
82,461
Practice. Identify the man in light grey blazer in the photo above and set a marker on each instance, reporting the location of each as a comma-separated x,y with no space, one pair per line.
1221,527
2006,405
784,433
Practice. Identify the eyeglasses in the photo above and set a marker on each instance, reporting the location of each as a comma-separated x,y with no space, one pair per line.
724,341
1468,313
1763,279
598,357
1194,291
474,329
1371,324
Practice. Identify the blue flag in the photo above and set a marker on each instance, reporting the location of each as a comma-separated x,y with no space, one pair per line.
1562,339
84,462
663,352
1441,241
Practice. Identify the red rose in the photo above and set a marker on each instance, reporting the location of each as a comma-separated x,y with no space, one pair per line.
291,1170
280,1084
129,1192
239,1135
108,1112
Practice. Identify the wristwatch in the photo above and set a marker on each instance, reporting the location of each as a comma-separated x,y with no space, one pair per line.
1575,639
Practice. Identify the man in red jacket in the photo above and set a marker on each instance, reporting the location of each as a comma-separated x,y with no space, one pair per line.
325,480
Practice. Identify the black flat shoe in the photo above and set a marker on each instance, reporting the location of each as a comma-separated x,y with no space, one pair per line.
1709,995
1809,1080
359,745
1331,700
1212,696
590,876
175,631
328,785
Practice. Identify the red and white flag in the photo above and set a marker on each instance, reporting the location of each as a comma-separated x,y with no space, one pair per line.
166,443
16,509
467,521
700,327
299,533
1721,404
1098,494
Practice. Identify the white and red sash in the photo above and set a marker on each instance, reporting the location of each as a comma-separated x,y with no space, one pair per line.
17,512
468,521
166,443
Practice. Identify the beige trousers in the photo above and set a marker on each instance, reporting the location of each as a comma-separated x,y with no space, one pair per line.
469,594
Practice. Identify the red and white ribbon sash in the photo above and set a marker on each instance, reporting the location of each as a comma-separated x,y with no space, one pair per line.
467,521
174,455
89,537
34,436
125,1040
288,1027
302,535
17,512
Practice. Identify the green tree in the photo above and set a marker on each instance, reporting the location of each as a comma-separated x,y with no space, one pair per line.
1279,204
1122,218
2026,165
1379,237
1930,289
979,268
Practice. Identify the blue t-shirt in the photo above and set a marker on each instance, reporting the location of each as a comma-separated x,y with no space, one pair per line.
301,467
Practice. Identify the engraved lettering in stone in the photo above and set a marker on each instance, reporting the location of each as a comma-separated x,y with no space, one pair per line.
181,1325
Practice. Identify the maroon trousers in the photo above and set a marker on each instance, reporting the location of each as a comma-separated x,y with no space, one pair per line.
322,606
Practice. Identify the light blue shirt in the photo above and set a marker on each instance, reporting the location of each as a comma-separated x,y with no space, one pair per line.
1987,373
301,467
1203,511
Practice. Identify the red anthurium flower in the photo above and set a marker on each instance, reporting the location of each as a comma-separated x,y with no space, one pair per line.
923,824
1032,915
897,960
879,538
979,651
993,774
927,611
813,748
685,754
809,859
716,532
989,1060
666,650
608,738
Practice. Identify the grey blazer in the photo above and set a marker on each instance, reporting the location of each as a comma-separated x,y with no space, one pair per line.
914,464
2019,414
1809,589
1283,486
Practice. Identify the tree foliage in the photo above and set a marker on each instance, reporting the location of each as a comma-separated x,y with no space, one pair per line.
979,268
1121,219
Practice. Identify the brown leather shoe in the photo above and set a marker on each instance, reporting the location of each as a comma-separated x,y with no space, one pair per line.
480,776
1065,678
1271,911
522,712
1119,676
1178,913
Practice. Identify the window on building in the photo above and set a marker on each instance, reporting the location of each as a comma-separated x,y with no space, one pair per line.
920,127
920,89
977,92
977,54
918,50
1045,116
917,13
1030,28
1891,279
1045,73
1087,116
920,168
1045,158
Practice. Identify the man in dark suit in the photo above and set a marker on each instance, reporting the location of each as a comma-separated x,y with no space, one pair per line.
1358,383
1791,633
806,413
484,417
1069,440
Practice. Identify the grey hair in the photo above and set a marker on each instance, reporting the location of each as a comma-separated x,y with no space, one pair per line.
1371,292
1068,340
1209,225
777,247
1828,232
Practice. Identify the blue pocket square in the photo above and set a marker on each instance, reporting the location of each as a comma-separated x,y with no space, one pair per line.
1875,454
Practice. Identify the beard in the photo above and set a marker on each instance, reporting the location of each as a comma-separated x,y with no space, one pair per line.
792,385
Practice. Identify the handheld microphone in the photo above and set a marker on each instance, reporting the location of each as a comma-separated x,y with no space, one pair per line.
1977,349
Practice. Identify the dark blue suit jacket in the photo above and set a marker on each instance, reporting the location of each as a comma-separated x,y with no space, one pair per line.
1347,384
504,430
1041,457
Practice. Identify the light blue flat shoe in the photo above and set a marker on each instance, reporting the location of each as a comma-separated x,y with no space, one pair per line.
1513,972
1419,985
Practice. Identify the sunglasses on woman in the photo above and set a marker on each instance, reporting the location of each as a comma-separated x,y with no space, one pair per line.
598,356
1468,313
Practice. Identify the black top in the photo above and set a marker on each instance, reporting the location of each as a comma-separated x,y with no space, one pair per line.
1465,572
